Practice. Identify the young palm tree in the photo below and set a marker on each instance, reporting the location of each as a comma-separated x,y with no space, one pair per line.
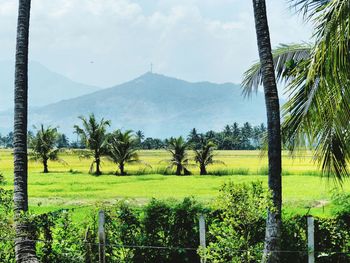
122,149
24,246
178,147
93,135
273,224
204,156
43,146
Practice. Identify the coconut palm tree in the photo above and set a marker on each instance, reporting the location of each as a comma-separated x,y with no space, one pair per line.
43,146
204,156
273,224
93,135
24,246
140,135
122,149
317,113
177,147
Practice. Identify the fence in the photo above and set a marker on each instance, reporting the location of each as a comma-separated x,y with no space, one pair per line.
202,238
102,244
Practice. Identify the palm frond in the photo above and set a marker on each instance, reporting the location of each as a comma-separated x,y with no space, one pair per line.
317,116
285,58
309,8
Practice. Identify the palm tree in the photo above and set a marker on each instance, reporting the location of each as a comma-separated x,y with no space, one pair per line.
24,246
123,149
93,135
193,138
317,113
43,146
177,147
140,135
204,155
273,224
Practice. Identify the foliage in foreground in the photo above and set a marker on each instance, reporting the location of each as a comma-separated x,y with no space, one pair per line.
167,231
237,231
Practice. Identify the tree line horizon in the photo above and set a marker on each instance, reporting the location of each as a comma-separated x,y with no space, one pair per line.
231,137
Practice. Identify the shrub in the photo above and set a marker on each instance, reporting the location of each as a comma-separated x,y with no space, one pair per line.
159,232
7,232
237,232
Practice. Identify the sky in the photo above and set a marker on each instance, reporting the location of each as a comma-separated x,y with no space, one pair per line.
108,42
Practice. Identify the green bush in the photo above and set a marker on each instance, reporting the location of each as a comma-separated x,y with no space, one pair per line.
7,232
167,231
237,232
159,232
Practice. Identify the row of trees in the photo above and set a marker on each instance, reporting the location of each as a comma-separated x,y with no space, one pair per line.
232,137
120,147
6,141
62,141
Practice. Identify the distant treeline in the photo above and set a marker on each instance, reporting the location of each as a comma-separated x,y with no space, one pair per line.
232,137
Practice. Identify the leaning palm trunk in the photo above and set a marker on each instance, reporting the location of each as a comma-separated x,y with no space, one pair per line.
273,223
24,246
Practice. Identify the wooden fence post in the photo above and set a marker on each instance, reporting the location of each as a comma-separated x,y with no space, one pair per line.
311,239
202,241
101,236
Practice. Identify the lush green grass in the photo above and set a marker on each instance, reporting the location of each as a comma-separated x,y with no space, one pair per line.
70,185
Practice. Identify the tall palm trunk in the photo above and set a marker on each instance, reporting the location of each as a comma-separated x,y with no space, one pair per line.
24,247
273,223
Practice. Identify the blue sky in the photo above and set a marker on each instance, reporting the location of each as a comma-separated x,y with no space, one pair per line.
106,42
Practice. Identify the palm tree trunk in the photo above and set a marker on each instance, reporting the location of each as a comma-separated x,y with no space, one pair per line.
178,169
24,247
46,169
203,170
274,222
98,163
121,167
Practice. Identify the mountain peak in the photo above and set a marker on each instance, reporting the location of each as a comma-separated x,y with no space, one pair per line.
159,105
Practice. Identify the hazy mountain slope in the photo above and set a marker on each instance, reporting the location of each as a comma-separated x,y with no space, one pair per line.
158,105
45,86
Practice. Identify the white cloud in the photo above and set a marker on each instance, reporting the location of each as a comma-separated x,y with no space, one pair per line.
192,39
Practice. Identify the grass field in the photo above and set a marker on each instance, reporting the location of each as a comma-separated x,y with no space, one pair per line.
70,185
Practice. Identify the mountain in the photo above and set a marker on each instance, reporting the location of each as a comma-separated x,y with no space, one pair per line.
45,86
158,105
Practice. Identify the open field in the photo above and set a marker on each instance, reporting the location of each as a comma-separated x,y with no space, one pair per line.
70,185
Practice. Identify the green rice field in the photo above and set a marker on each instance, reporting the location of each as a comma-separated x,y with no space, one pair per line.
70,185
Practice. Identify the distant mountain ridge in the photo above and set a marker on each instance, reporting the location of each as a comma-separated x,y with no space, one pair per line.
45,86
161,106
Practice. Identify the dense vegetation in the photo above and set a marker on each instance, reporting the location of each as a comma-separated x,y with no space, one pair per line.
167,231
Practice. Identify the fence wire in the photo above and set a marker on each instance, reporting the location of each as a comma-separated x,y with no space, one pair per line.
178,248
